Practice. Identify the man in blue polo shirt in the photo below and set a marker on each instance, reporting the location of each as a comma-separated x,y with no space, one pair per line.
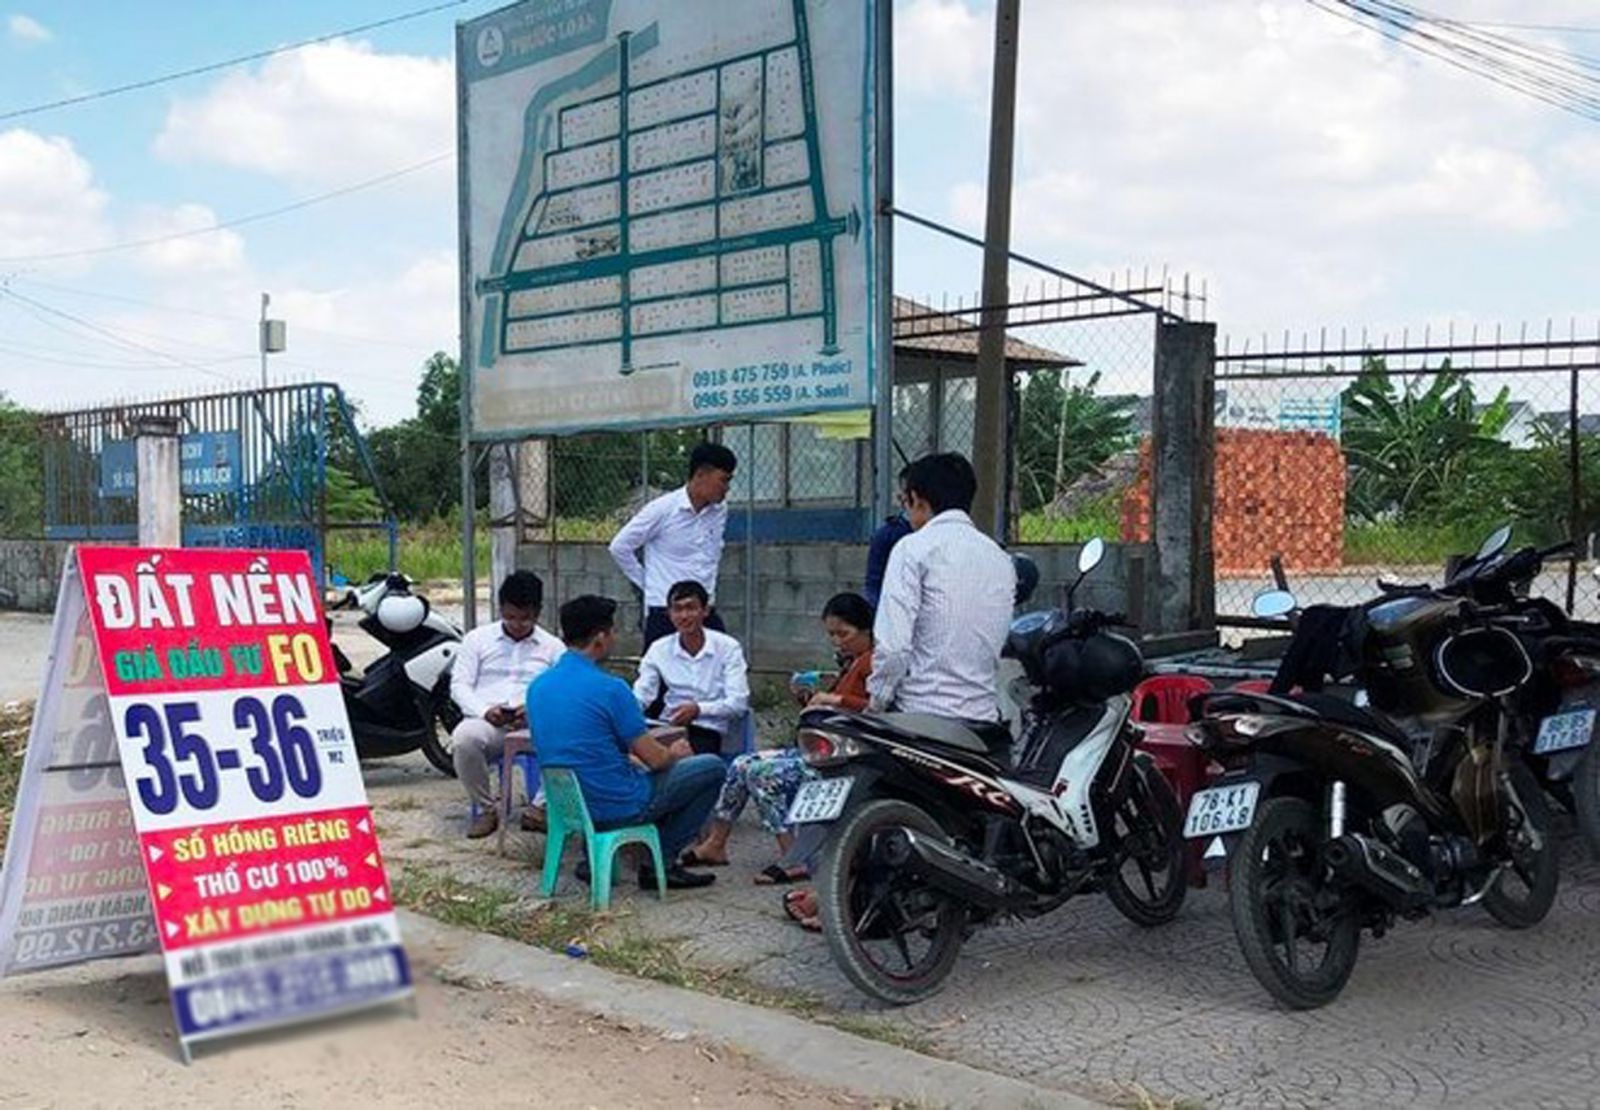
587,720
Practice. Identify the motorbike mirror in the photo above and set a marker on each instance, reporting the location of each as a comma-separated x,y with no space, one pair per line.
1274,603
1497,541
1091,555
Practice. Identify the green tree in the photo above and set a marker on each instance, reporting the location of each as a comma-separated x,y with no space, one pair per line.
1411,450
21,472
1065,431
418,460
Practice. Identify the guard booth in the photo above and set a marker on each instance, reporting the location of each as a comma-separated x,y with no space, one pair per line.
279,467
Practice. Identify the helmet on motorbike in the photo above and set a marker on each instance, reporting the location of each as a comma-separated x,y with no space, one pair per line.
402,612
1093,669
1027,577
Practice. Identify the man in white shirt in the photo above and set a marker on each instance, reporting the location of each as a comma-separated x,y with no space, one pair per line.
699,674
946,602
680,535
489,682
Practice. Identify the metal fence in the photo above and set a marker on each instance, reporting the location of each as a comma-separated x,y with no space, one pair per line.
1349,457
274,467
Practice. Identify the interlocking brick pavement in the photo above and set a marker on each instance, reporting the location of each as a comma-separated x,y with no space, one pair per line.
1451,1012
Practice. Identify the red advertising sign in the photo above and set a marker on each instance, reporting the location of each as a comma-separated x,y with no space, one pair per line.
261,863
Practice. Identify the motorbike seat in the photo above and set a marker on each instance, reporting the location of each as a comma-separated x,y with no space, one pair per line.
1343,712
989,740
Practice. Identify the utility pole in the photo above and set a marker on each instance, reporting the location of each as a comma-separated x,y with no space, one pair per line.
989,445
274,337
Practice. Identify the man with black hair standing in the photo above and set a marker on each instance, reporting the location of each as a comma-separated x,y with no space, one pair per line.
586,720
946,602
488,681
680,535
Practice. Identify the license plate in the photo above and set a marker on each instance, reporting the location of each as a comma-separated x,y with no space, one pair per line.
819,800
1564,730
1222,809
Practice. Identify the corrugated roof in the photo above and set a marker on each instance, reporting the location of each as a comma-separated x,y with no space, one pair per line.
918,327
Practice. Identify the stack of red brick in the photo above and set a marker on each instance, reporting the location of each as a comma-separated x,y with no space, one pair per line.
1278,493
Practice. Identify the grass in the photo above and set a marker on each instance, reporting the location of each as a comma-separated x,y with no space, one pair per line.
15,717
610,944
433,550
1430,544
1103,519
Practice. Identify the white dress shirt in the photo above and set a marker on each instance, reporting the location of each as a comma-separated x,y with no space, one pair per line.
679,545
942,620
493,669
716,679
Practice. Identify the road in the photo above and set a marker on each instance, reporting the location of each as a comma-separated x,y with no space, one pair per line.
102,1035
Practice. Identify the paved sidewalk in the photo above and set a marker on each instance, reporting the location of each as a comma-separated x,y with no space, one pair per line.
1457,1011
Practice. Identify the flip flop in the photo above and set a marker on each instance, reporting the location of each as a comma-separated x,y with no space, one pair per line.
809,924
776,875
690,859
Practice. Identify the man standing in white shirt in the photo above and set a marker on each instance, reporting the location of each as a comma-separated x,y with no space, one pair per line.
946,602
489,682
700,674
680,535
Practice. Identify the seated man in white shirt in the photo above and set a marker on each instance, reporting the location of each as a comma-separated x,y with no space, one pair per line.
680,536
946,602
698,674
489,682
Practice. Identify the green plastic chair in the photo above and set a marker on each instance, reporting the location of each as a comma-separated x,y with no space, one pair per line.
569,814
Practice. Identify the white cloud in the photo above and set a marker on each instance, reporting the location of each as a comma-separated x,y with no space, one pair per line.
26,29
49,201
1294,156
321,115
195,254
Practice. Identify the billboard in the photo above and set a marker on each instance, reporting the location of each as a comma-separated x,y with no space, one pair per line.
666,211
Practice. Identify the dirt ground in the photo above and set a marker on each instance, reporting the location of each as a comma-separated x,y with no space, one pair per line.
103,1036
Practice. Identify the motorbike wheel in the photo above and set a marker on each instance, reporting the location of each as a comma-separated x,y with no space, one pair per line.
435,747
893,937
1522,894
1281,900
1586,797
1149,879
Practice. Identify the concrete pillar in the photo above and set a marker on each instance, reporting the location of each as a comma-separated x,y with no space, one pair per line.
503,521
1183,477
160,491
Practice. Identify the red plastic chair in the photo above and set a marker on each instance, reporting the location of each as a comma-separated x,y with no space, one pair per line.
1164,698
1253,686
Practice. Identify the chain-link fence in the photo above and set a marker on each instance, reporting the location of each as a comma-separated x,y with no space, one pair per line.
1350,459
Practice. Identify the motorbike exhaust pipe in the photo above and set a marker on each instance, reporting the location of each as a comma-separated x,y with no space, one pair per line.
1364,862
949,869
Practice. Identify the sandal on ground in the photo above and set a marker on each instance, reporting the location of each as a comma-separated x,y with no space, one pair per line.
777,875
791,899
691,858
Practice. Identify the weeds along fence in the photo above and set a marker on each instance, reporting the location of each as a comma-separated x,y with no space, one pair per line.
1349,457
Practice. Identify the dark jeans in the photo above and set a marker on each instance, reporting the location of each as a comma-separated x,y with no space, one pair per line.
681,801
657,624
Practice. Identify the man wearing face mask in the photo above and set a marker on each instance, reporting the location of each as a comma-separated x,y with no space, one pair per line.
946,603
489,681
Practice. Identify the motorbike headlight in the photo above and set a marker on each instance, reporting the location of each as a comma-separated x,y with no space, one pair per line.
820,748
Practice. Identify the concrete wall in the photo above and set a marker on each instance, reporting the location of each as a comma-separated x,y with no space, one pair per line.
794,581
30,573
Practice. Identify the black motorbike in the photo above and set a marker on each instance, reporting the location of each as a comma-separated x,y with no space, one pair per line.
401,701
936,826
1336,817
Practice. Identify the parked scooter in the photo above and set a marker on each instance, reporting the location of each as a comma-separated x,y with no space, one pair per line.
1336,818
401,702
936,826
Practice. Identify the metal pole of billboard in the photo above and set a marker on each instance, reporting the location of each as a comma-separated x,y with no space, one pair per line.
989,446
883,151
469,499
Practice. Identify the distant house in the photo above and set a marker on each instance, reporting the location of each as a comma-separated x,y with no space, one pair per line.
1555,423
1521,430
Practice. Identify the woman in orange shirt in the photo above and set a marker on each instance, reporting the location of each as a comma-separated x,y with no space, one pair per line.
771,778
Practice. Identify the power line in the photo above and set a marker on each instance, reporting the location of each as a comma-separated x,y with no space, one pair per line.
224,225
120,340
212,67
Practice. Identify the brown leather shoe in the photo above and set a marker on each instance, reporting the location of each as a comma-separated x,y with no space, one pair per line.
534,820
482,825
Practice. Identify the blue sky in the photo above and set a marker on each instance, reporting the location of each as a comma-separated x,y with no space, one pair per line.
1310,173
